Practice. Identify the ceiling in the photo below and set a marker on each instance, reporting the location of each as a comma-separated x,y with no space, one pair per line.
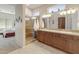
33,6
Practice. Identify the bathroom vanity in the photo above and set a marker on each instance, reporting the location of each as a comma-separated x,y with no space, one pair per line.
65,40
61,31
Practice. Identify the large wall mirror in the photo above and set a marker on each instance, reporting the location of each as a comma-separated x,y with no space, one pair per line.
63,20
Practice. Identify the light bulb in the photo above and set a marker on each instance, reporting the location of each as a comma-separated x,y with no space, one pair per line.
73,11
61,13
64,12
68,12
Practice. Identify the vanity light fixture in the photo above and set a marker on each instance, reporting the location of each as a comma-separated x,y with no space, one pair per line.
70,11
73,11
63,13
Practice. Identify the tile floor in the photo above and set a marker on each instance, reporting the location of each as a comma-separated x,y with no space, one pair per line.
29,40
6,50
37,48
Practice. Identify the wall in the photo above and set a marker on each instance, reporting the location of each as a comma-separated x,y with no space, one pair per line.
72,6
20,27
73,19
54,21
28,12
43,9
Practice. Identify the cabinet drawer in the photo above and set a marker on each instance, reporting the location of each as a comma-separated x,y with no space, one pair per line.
74,46
40,36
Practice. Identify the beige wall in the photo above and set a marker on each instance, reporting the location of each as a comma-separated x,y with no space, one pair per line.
43,9
72,6
28,12
20,26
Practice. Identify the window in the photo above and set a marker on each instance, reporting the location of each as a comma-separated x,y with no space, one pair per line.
6,20
56,8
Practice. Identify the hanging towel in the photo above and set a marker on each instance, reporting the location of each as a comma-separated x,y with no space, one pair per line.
34,27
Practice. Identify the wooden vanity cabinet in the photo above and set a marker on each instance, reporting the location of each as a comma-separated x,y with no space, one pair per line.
66,39
53,39
44,37
60,41
56,39
40,36
65,42
74,45
47,37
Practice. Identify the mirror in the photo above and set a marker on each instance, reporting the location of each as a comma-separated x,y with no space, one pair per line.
63,21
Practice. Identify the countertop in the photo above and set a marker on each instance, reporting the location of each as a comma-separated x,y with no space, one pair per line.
61,31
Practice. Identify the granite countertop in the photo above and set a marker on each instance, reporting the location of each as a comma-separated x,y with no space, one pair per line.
72,32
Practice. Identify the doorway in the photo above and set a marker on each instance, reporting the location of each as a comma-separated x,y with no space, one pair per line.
29,30
61,23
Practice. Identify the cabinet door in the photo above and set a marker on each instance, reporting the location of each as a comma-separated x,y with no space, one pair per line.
67,38
52,39
58,41
74,45
40,35
47,38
